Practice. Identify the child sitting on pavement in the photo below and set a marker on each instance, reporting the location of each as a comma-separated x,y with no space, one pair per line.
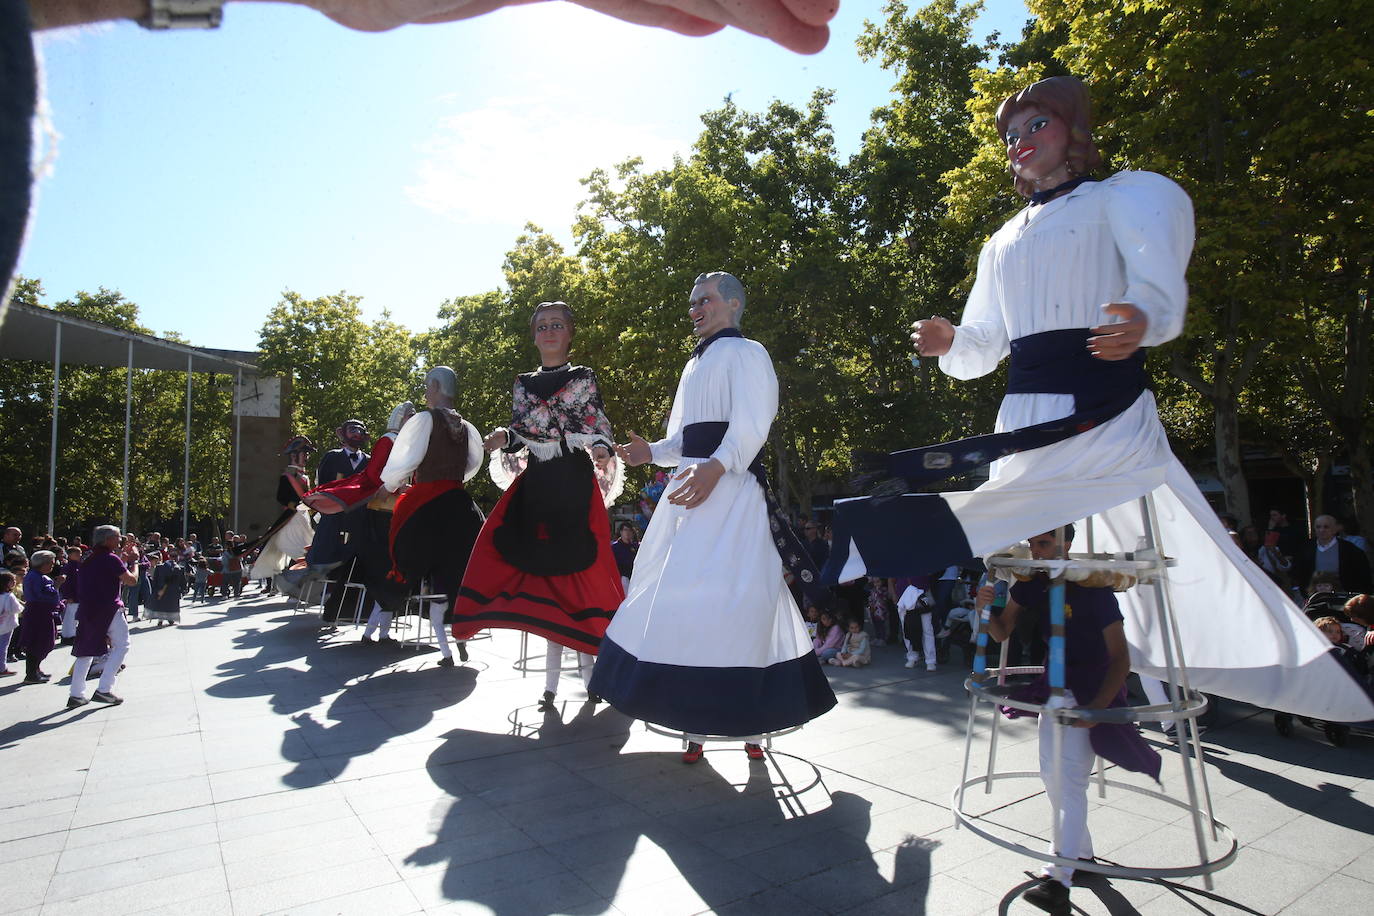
829,636
855,651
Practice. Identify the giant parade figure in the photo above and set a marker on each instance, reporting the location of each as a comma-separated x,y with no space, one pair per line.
708,640
543,563
334,548
435,522
1075,287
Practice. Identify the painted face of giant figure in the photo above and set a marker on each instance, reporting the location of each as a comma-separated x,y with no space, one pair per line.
352,435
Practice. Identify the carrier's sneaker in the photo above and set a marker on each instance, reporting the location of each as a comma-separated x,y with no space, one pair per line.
102,697
546,701
462,651
693,753
76,702
447,661
1049,895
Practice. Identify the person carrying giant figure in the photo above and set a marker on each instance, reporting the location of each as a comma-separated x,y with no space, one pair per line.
544,563
1075,287
435,522
709,640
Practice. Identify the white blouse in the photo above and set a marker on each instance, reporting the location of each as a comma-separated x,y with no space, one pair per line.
412,442
732,381
1053,267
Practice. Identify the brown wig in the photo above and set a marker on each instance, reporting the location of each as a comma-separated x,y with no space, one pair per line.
1064,97
567,312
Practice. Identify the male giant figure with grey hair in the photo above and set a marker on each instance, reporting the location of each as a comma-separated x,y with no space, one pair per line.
708,639
435,522
100,622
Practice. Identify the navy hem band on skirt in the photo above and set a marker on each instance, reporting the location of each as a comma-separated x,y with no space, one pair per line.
725,702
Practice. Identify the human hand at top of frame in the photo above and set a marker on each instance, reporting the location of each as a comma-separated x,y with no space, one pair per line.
635,452
1119,339
798,25
932,336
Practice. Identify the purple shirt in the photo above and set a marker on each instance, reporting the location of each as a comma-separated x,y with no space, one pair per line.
72,572
1087,612
98,588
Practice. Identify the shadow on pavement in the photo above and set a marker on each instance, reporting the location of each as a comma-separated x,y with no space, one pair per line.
534,833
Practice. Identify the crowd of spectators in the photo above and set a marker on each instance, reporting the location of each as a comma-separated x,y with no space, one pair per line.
1332,557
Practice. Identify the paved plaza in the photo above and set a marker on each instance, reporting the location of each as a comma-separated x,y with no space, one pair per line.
257,767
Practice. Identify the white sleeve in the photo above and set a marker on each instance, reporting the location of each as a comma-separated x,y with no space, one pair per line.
980,340
1151,219
667,452
753,405
475,451
411,444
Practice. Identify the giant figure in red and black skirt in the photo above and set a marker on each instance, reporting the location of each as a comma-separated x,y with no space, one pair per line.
543,563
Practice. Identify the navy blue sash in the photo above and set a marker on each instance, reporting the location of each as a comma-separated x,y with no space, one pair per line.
700,440
1054,362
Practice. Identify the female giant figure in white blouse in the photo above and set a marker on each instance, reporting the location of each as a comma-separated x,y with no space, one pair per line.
1075,285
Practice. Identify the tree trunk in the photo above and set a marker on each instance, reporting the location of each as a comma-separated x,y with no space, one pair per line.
1227,424
1362,476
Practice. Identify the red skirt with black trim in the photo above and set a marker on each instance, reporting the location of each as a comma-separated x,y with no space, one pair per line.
572,609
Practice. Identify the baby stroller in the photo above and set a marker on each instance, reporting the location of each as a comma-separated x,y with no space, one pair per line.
1360,664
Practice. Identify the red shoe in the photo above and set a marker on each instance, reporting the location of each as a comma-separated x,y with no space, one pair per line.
693,753
754,751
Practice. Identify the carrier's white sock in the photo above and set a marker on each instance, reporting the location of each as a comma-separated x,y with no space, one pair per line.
553,666
374,620
436,619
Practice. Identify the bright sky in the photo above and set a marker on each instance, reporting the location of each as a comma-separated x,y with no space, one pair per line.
202,173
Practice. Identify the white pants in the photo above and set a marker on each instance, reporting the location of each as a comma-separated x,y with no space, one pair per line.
119,648
1158,696
553,666
436,620
927,637
69,620
377,618
1069,797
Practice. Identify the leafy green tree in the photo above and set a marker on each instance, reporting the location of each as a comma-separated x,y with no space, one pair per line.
341,367
1260,110
91,431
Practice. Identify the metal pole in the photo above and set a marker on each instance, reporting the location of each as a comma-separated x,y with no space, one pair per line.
1163,610
128,420
238,438
186,477
52,448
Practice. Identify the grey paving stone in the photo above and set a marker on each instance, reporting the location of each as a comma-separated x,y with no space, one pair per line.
104,855
170,892
78,881
321,883
695,892
559,893
388,898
